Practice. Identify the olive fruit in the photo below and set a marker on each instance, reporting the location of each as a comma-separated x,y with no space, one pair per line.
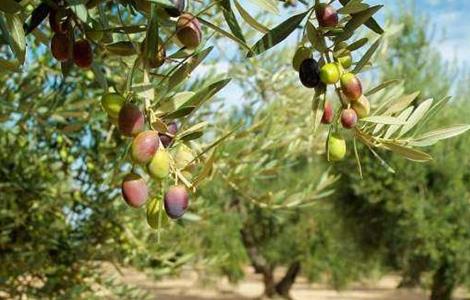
361,106
134,190
301,54
112,104
144,146
348,118
188,31
131,120
176,201
326,15
336,148
179,7
309,73
351,86
82,54
168,139
328,113
330,73
159,166
60,47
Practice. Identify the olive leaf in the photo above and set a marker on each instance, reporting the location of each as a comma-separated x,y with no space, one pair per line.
277,34
358,44
13,29
432,137
383,120
10,6
183,71
382,86
249,19
353,6
315,38
367,56
409,153
318,103
38,15
416,116
267,5
231,19
121,48
356,21
175,102
225,33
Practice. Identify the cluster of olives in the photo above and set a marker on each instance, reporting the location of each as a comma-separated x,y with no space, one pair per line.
64,47
335,72
149,149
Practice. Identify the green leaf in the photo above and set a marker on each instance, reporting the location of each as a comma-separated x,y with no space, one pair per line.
231,20
367,56
267,5
409,153
195,128
382,86
122,48
249,19
180,74
38,15
206,93
151,38
354,6
432,137
81,12
401,103
277,34
357,44
383,120
10,6
394,128
225,33
16,36
181,112
356,21
416,116
191,136
318,104
175,102
315,38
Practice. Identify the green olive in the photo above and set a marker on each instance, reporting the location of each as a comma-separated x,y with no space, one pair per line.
330,73
336,148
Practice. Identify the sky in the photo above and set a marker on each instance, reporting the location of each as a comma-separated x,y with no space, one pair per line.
450,15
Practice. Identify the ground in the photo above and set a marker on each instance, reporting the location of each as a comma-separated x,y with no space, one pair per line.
187,287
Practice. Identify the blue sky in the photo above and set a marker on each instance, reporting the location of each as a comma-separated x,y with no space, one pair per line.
451,15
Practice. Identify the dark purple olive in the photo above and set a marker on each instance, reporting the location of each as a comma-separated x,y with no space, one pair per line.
167,139
309,73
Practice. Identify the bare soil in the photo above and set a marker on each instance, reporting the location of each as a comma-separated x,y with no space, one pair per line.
188,287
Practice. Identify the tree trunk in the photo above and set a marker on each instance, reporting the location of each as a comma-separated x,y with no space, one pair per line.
261,266
414,269
283,287
443,283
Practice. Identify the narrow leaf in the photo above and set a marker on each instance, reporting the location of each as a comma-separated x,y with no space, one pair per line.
277,34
